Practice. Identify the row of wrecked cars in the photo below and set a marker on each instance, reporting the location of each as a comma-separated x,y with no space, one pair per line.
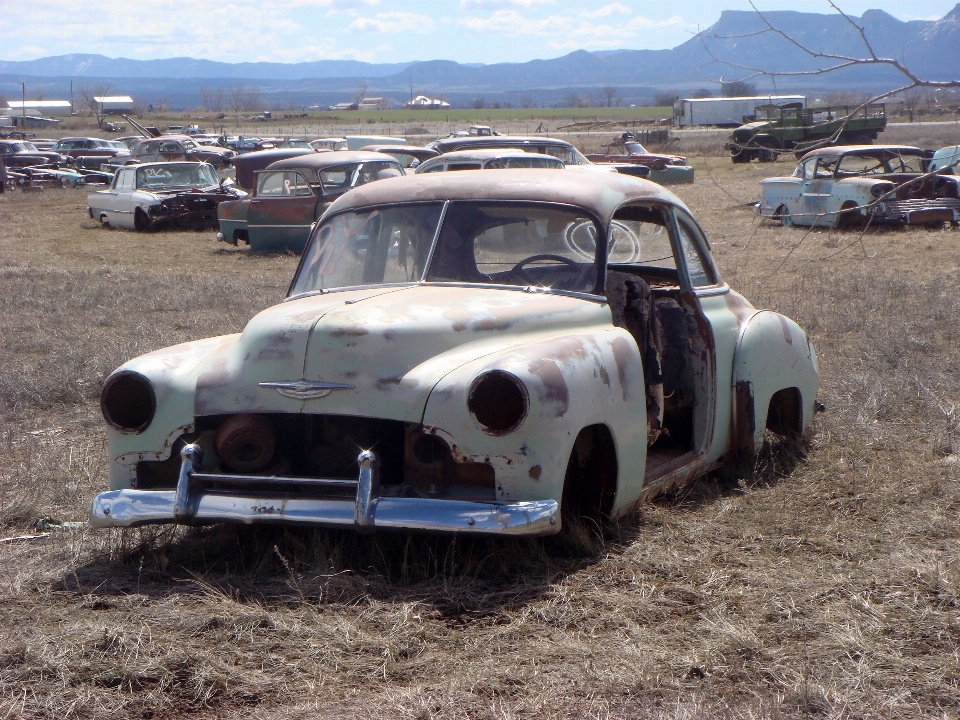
280,193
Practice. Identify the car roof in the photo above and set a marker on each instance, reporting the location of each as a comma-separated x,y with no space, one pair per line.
446,145
318,161
404,149
162,164
600,193
487,153
891,150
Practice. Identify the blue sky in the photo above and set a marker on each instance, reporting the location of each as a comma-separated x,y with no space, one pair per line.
471,31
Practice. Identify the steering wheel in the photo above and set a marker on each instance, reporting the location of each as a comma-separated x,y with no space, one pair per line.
518,269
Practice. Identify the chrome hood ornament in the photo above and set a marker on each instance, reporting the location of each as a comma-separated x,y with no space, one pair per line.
305,389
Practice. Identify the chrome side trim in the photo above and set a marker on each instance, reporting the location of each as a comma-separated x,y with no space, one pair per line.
189,504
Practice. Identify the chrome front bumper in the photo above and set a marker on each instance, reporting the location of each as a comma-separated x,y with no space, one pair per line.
192,503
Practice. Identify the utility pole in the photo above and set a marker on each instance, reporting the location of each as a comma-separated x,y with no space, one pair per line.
71,97
411,88
23,106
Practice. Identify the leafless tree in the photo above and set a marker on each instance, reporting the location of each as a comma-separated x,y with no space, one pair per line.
911,101
361,92
211,98
252,101
526,101
89,93
609,94
738,88
140,106
236,97
478,103
665,99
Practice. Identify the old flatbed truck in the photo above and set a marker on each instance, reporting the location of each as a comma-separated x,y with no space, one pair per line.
792,128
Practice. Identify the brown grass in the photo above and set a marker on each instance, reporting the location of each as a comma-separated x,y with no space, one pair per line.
826,588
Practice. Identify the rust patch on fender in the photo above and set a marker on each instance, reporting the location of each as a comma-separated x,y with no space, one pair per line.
555,391
535,472
349,332
604,376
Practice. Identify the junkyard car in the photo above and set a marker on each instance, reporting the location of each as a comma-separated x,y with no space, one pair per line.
21,154
142,197
329,144
852,184
946,160
664,169
408,156
171,148
464,352
91,152
291,194
489,159
561,149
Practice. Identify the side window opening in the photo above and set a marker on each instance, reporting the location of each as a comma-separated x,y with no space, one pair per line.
699,268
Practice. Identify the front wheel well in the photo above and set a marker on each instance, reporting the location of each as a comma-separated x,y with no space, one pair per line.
590,483
785,412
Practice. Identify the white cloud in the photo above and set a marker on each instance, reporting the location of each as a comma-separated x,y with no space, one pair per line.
492,4
511,23
607,11
589,35
392,22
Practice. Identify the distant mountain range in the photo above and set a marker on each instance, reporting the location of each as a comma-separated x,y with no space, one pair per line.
735,42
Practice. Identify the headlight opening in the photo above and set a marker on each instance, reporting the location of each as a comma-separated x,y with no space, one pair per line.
498,401
128,402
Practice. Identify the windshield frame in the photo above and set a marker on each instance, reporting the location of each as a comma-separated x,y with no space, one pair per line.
596,294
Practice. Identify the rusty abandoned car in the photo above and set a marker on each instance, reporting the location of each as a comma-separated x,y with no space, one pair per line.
290,194
154,195
856,184
468,353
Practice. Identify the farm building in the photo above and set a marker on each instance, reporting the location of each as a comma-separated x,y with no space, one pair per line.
115,104
44,108
375,103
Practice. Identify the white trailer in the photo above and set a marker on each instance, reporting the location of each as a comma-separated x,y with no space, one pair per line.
728,111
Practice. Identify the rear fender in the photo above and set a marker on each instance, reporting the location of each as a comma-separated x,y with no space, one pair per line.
773,353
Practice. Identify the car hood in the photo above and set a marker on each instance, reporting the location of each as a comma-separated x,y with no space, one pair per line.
388,346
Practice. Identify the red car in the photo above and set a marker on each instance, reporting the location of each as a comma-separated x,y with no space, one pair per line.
664,169
97,149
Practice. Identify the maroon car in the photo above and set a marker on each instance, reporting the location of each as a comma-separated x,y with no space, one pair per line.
20,154
90,152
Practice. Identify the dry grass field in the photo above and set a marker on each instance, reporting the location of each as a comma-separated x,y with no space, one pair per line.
828,587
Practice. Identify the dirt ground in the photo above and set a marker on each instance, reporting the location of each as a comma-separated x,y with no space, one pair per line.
828,587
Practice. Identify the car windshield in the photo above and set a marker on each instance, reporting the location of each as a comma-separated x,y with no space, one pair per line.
878,164
30,147
495,243
176,175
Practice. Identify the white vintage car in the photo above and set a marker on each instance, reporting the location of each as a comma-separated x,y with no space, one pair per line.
851,184
143,197
484,352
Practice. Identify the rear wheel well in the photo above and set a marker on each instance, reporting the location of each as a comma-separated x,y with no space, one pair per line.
240,236
590,483
785,413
